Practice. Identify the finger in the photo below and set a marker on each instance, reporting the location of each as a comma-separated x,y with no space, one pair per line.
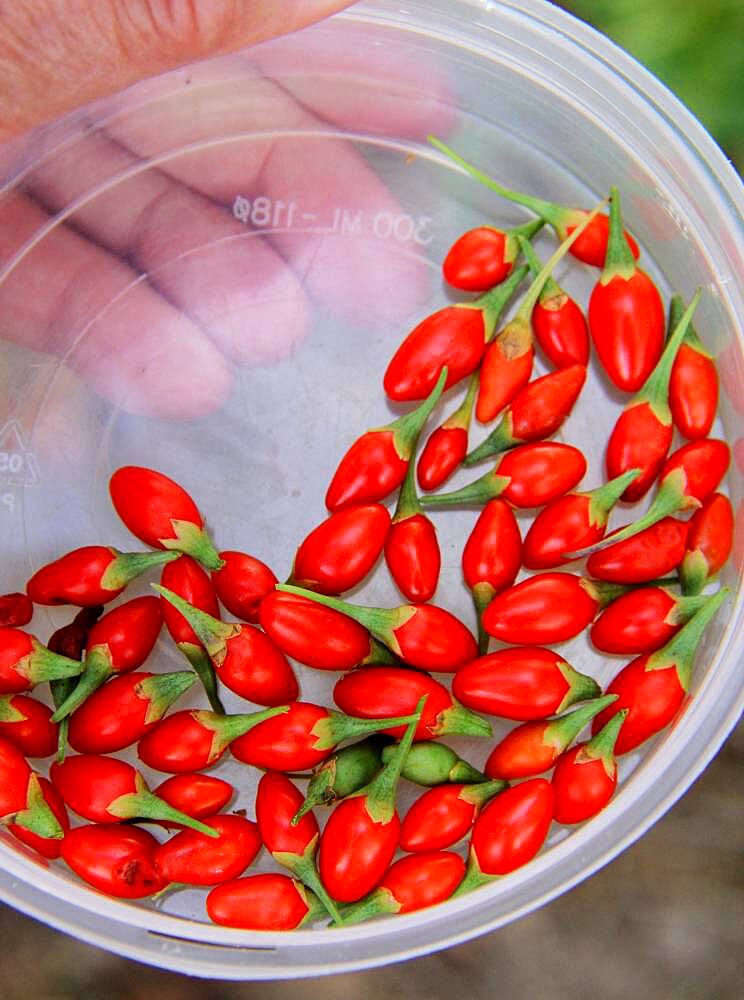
349,75
224,277
56,55
239,137
71,298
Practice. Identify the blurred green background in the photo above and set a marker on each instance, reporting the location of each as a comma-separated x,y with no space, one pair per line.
696,47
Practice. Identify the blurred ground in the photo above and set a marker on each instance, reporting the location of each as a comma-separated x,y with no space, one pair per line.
662,922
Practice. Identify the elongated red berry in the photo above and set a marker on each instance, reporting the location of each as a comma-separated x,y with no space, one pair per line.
376,692
649,555
186,578
484,256
653,686
120,642
302,737
491,558
642,433
558,323
585,777
92,575
509,831
244,658
241,584
423,635
198,795
411,884
693,388
642,620
528,476
571,522
535,412
709,543
411,547
124,709
534,747
547,608
626,315
338,554
191,858
361,835
443,815
119,861
161,513
522,684
318,636
292,842
376,463
265,902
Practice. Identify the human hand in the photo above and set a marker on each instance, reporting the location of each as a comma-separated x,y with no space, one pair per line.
150,289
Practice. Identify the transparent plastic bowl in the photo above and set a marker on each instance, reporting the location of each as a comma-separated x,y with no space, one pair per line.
158,224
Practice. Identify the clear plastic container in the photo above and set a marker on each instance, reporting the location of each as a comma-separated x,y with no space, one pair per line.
208,278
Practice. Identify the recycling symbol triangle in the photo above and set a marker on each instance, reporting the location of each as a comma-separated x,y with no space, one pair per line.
18,465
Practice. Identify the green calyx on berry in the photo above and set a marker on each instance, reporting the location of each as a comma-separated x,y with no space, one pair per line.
478,794
672,497
127,566
202,666
679,652
494,301
378,902
304,868
195,542
161,690
379,794
227,728
37,817
212,633
500,439
475,494
41,665
344,772
602,746
691,338
97,668
143,804
335,727
561,732
581,687
619,261
406,429
655,390
603,498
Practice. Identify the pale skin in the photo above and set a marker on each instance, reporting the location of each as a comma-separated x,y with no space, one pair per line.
211,298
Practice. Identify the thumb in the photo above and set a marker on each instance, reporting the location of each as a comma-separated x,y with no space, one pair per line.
56,55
